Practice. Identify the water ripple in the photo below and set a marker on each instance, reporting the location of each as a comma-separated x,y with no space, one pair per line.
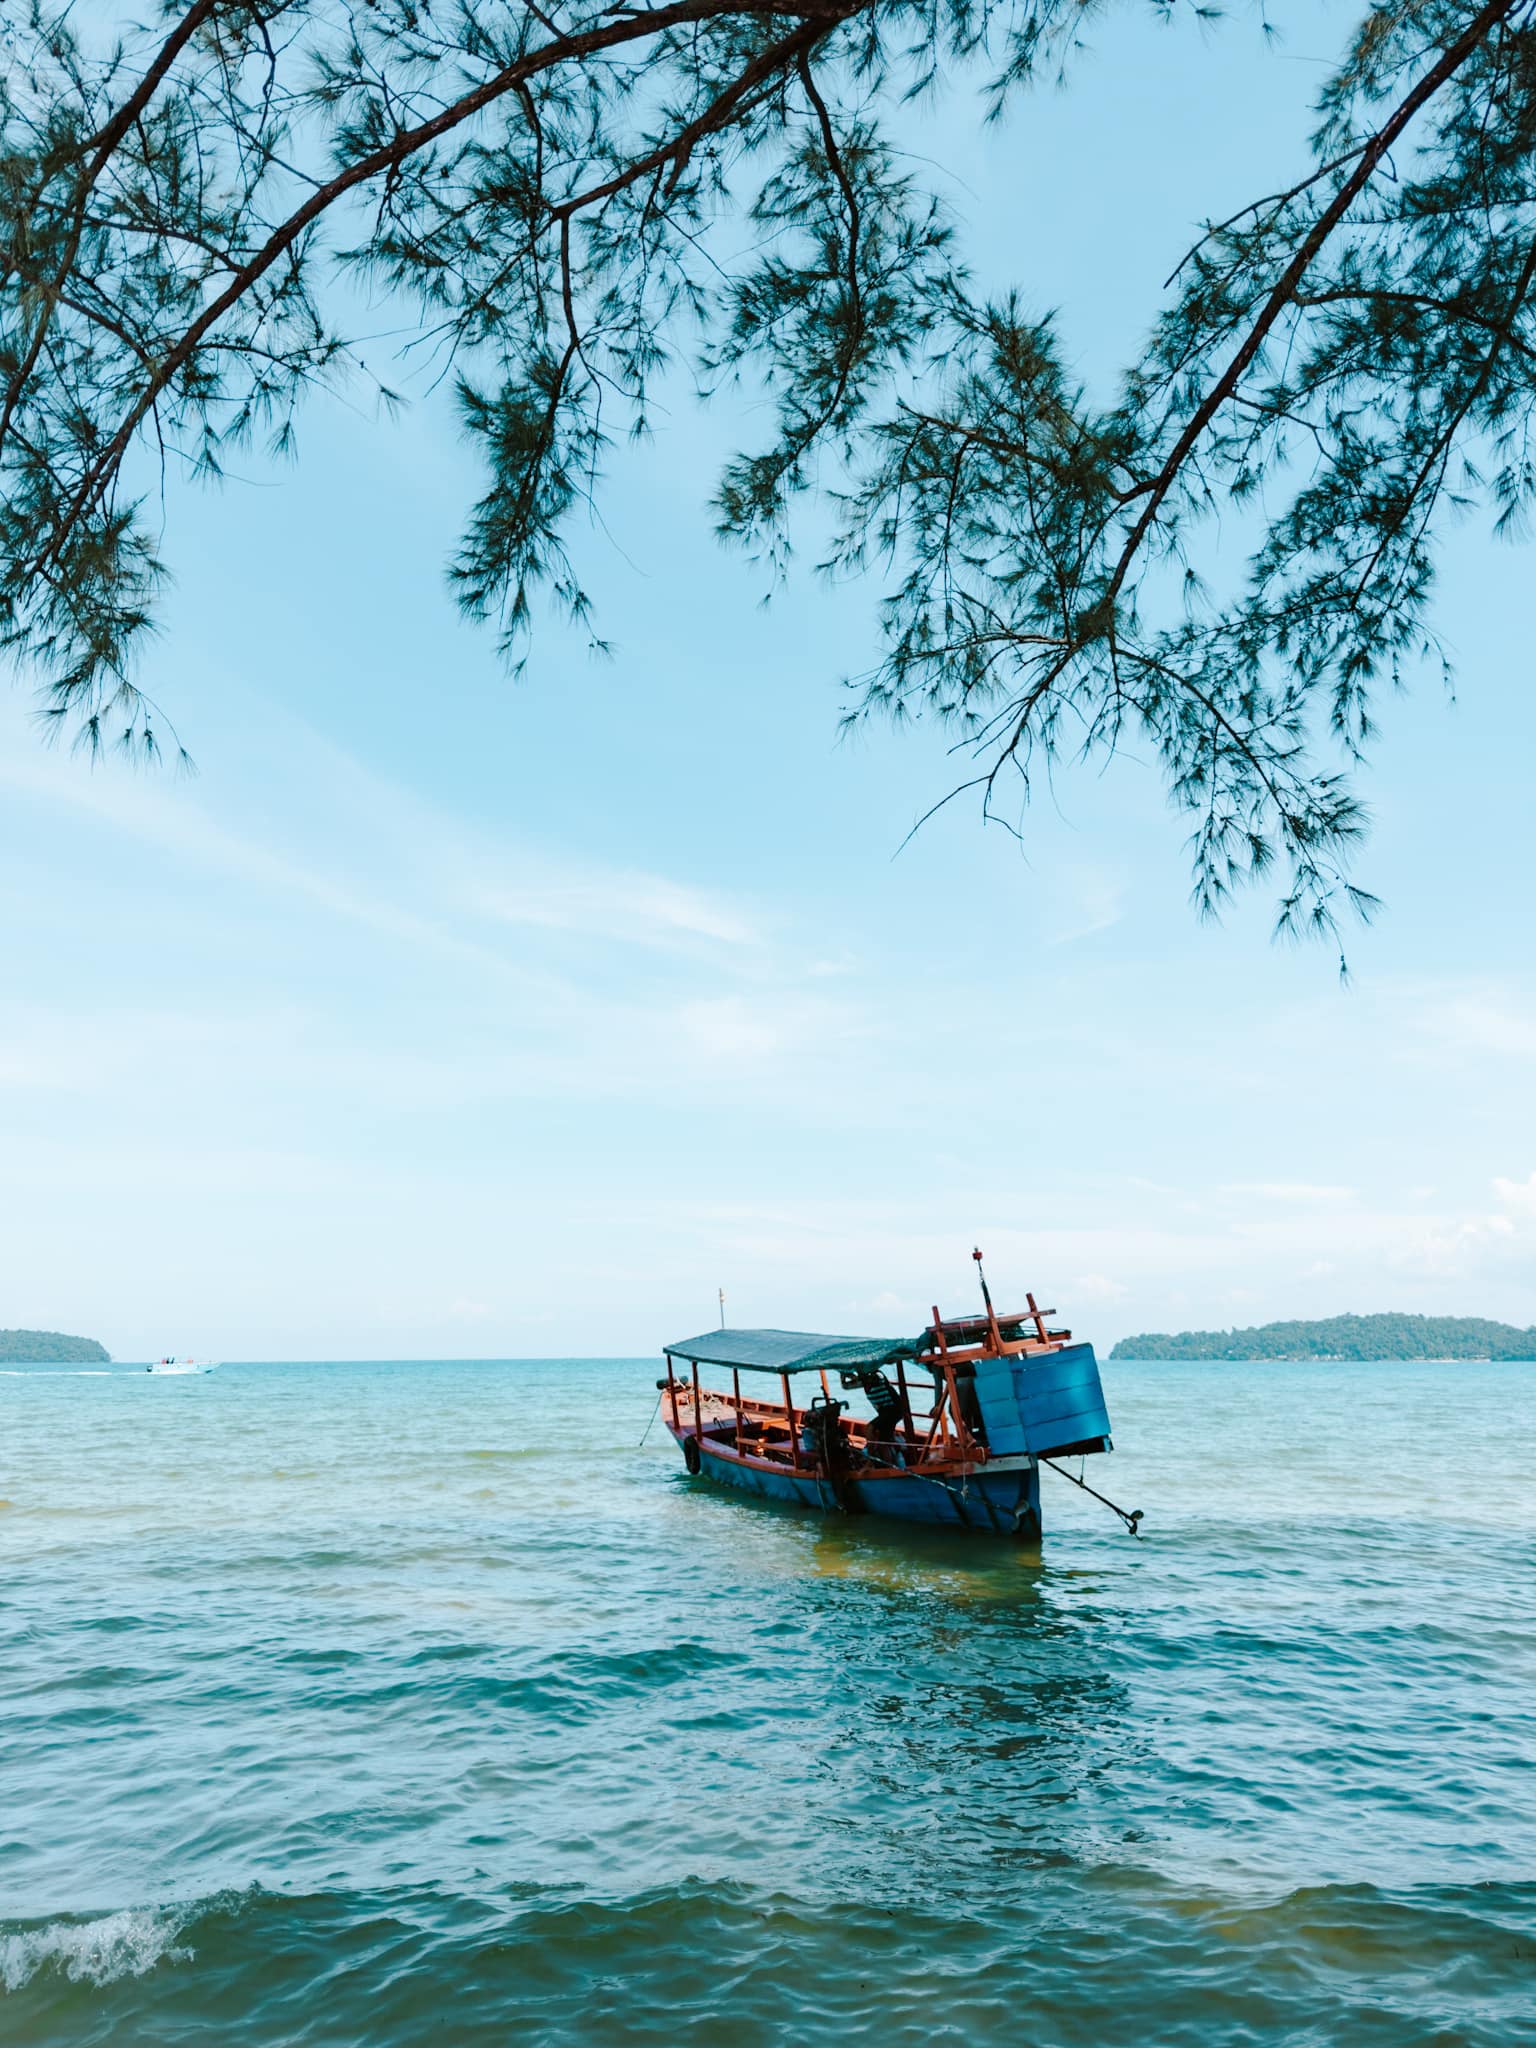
341,1699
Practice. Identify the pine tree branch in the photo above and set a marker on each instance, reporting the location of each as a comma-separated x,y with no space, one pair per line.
104,142
1440,450
1450,62
626,29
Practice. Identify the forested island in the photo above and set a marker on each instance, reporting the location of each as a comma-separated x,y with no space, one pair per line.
1343,1337
50,1347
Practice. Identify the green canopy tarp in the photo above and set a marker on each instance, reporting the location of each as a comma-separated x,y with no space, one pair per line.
792,1350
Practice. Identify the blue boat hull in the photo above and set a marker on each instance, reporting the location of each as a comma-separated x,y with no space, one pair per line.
1001,1501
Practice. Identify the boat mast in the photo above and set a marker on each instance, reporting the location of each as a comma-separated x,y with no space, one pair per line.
986,1295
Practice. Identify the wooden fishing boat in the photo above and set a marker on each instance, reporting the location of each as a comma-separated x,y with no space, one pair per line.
959,1418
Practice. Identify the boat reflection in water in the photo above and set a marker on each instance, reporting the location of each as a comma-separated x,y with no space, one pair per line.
959,1418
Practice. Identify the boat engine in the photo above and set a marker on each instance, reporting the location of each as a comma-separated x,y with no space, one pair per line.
822,1437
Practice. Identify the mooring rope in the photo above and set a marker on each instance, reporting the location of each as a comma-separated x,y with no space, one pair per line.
1132,1517
651,1424
960,1493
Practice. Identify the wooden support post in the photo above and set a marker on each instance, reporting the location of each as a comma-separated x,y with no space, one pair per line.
934,1429
698,1408
736,1390
962,1434
789,1416
1039,1316
672,1391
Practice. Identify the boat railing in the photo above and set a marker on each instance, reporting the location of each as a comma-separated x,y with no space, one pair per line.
774,1429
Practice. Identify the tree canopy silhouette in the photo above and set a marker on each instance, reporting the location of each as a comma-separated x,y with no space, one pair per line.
565,202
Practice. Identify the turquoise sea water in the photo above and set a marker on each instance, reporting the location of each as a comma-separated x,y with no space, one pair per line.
387,1704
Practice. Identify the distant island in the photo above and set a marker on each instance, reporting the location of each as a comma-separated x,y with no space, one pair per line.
1343,1337
50,1347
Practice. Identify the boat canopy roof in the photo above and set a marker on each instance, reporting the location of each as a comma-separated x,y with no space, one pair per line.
792,1350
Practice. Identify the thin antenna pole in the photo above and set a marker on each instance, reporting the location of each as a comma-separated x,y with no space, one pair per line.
722,1307
986,1295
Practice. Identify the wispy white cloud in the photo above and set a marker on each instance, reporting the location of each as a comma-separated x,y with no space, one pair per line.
1092,899
1518,1197
526,989
762,1024
1095,1290
1482,1022
465,1309
451,885
637,908
1126,1267
401,1044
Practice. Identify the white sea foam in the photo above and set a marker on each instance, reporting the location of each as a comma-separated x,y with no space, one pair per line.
125,1944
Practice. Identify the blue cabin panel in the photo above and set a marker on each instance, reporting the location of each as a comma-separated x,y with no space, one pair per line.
1000,1407
1006,1440
1060,1400
1042,1404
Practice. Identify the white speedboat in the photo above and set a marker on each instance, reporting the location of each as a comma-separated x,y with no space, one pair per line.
180,1365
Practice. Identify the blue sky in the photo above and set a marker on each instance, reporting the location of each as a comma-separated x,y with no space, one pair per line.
443,1015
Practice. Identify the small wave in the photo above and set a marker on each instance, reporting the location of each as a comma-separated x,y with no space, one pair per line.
515,1456
126,1944
73,1372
